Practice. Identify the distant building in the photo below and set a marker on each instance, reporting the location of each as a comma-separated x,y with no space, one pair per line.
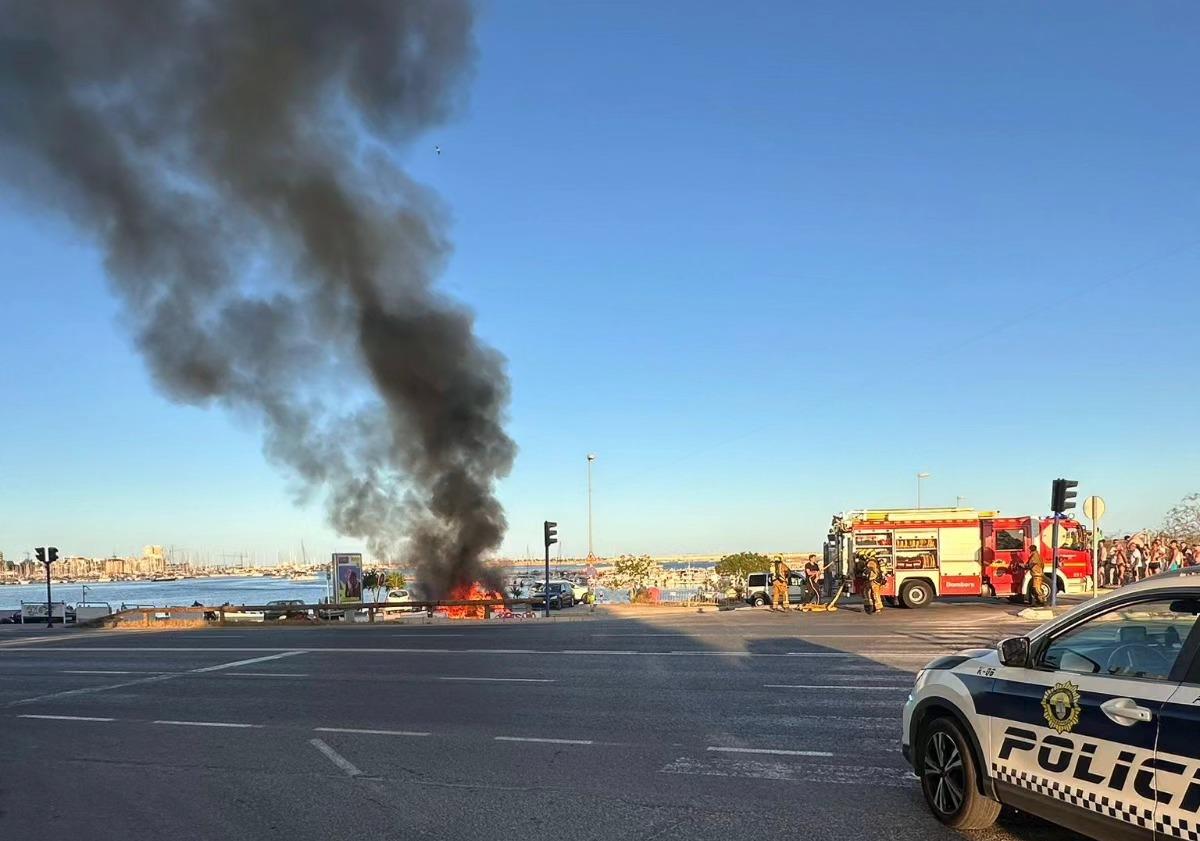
154,559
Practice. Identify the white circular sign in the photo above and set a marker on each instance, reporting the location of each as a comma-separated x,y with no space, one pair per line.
1093,508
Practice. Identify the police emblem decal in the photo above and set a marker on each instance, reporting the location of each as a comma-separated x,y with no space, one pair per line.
1060,705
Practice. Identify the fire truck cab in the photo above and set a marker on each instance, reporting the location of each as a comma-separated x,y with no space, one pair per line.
929,552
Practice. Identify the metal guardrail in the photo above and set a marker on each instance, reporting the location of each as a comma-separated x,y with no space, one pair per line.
222,614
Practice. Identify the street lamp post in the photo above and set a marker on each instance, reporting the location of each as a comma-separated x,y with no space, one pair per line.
591,457
920,476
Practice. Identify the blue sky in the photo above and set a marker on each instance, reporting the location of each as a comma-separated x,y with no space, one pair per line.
767,263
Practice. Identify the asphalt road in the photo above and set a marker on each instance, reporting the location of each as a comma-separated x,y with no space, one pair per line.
661,725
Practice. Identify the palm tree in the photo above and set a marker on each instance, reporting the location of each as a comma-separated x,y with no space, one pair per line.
370,581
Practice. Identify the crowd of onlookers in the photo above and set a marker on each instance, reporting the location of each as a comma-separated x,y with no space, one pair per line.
1133,558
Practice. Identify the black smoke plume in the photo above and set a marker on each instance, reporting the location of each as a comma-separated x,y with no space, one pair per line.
235,160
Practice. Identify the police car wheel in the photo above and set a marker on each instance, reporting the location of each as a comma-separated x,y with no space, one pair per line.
947,771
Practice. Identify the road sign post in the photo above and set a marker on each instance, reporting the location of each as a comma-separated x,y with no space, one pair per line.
1093,509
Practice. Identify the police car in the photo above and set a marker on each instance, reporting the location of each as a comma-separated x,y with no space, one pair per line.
1092,721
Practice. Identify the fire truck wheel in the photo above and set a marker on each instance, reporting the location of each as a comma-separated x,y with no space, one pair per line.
759,600
916,594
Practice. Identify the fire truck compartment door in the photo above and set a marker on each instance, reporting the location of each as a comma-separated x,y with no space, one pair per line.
960,556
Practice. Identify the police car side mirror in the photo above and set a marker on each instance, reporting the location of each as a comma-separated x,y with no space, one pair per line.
1014,651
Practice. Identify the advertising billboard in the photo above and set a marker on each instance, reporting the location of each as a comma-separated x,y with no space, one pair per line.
347,578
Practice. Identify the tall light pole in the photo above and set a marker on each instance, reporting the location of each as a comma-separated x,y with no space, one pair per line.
920,476
591,457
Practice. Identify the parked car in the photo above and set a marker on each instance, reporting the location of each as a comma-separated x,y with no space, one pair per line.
579,591
402,599
758,588
1089,721
561,595
285,609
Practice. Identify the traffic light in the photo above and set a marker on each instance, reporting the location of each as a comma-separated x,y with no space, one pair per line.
551,533
51,554
1062,495
40,552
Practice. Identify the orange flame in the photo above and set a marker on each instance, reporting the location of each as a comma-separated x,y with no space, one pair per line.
472,591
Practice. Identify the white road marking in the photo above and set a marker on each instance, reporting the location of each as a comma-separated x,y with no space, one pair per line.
336,758
772,751
834,686
249,662
924,654
867,776
370,732
544,741
500,651
503,679
154,678
108,672
678,634
414,634
594,651
205,723
88,690
67,717
265,674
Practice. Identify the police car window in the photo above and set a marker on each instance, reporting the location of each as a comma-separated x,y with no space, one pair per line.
1141,640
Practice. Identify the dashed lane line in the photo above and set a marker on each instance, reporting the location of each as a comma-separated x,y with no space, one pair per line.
683,765
503,679
155,678
747,768
918,654
336,758
835,686
417,634
771,751
370,732
234,724
413,733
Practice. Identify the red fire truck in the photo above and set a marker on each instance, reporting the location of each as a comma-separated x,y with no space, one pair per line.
929,552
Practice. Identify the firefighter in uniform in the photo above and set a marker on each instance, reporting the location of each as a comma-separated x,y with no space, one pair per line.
1036,570
873,579
779,594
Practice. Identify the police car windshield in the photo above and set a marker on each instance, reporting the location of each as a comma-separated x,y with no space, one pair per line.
1140,641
